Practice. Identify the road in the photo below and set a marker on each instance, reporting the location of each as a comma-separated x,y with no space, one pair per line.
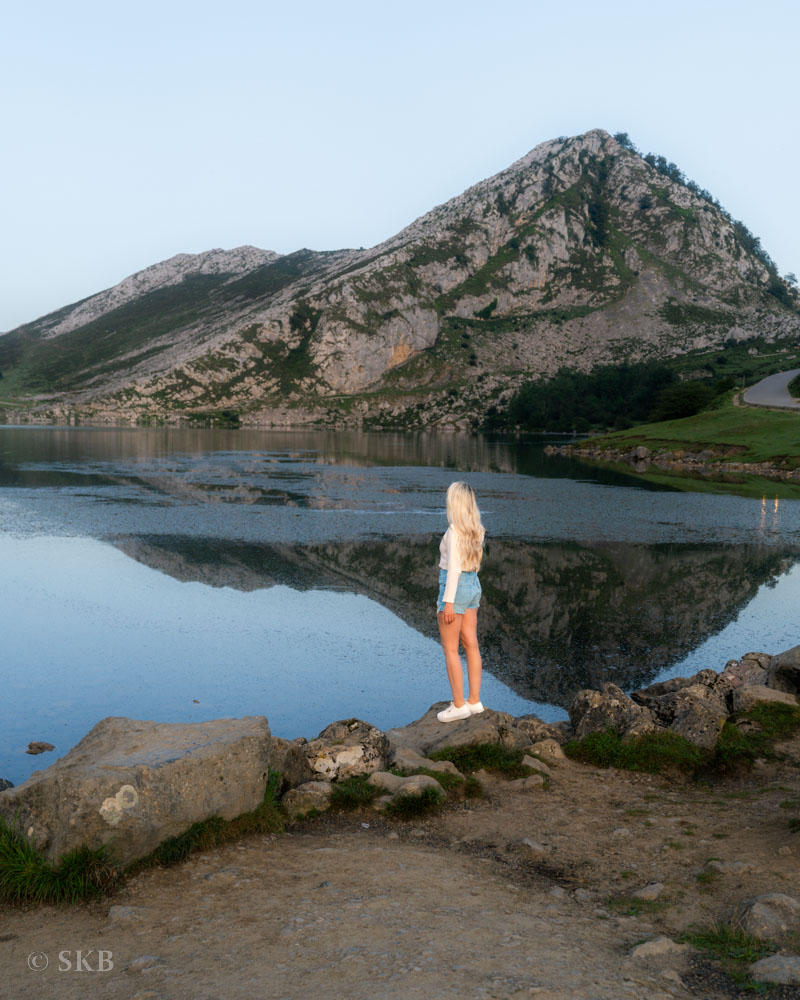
773,391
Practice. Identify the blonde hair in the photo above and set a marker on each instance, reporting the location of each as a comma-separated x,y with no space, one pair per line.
463,514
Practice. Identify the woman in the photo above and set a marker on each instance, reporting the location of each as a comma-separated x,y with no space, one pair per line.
461,551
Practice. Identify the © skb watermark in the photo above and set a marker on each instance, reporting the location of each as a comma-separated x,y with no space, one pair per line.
74,961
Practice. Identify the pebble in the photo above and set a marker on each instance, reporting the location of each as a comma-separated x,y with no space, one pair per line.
144,962
394,835
656,948
785,850
649,892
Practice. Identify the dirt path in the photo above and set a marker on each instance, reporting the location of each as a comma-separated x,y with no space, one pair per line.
352,906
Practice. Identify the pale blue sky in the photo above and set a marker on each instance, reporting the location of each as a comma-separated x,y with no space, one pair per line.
134,132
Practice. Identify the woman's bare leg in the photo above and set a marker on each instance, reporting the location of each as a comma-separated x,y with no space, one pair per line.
455,672
469,640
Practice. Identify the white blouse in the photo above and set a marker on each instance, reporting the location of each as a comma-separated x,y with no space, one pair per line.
450,559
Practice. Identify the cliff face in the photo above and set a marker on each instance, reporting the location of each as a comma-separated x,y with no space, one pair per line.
580,253
554,618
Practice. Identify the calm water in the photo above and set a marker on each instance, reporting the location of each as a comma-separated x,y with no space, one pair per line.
187,575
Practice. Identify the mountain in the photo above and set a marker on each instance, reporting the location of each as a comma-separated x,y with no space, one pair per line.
581,253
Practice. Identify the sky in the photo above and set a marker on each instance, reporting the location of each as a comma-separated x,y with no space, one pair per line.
134,132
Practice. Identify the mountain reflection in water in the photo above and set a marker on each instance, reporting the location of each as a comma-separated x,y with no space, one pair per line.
555,616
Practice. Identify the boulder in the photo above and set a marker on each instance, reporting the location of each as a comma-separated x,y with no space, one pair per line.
347,748
311,795
662,698
783,672
131,784
762,659
753,694
5,783
289,758
782,969
534,730
536,765
699,716
768,917
427,735
549,750
609,708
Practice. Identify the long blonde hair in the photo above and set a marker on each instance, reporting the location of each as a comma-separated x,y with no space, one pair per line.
463,514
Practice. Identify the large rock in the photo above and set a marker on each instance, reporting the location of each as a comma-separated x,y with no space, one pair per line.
768,917
132,784
753,694
289,758
310,795
347,748
662,698
609,708
781,969
783,672
5,783
699,716
427,734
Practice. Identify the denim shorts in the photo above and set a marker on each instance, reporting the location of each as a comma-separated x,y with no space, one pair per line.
468,592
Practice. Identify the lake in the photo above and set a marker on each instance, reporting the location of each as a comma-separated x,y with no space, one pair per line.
183,575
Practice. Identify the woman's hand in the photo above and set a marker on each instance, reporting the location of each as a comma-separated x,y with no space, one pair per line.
449,614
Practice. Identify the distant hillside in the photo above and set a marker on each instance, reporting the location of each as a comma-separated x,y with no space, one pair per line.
579,254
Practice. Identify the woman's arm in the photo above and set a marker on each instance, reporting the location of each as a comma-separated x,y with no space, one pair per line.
453,573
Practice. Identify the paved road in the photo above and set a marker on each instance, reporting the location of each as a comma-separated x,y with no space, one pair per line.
772,391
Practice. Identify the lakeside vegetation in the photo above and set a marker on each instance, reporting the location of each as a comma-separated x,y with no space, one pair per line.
736,433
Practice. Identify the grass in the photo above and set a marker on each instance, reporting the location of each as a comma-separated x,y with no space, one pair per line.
413,805
656,752
353,793
485,756
632,906
732,947
27,876
745,433
651,752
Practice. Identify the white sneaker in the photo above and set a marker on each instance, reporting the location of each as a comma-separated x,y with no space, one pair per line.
453,714
476,709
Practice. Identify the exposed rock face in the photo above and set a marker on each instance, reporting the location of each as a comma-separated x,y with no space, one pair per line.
310,795
132,784
609,708
783,672
747,695
427,735
699,715
578,253
345,749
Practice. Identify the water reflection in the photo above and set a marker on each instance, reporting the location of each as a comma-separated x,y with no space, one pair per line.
556,617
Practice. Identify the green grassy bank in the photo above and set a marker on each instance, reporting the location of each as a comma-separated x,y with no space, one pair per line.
733,433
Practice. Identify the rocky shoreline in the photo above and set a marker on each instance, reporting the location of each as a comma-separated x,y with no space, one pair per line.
707,463
578,881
